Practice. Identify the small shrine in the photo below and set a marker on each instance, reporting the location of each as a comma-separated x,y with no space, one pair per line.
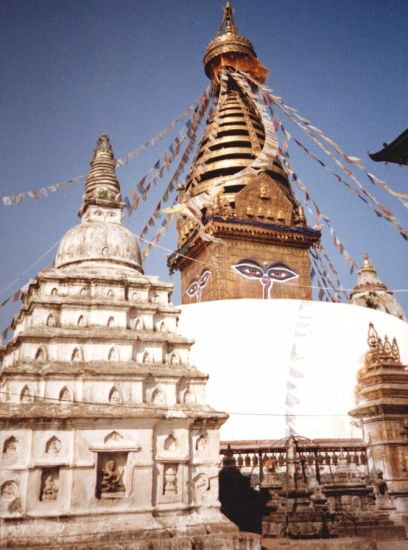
105,431
371,292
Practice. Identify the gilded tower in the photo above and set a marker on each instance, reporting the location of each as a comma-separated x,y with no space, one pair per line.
254,241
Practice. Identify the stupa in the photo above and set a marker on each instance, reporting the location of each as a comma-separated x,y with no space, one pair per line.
371,292
105,432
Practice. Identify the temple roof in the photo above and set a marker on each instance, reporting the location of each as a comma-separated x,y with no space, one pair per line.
396,151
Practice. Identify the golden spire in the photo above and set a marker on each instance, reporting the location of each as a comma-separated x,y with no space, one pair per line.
230,49
367,266
102,185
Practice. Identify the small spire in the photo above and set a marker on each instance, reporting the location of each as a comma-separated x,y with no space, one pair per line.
102,185
228,23
367,266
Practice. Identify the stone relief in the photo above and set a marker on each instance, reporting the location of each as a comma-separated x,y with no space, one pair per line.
110,293
202,443
65,394
147,358
53,445
113,437
111,322
41,354
113,354
114,396
189,397
158,397
9,490
51,322
111,479
54,292
170,479
201,486
49,484
170,443
174,358
26,395
81,321
10,446
76,355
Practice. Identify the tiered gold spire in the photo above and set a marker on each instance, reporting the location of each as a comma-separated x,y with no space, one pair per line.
230,49
102,185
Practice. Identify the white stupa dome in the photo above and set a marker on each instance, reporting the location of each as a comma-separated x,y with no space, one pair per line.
274,362
99,243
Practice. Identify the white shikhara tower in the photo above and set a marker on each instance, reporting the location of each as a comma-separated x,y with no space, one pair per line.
104,426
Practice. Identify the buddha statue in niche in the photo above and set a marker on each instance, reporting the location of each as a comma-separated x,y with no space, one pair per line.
112,478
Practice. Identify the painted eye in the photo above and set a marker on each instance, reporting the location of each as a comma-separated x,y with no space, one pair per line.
98,212
203,280
281,272
252,271
192,289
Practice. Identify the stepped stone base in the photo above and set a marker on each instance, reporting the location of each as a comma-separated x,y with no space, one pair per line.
127,533
329,544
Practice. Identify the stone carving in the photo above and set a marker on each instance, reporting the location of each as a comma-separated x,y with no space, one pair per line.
110,293
49,485
170,479
65,394
53,445
111,481
54,292
146,358
170,443
139,324
113,437
83,292
163,327
26,395
189,397
201,486
10,446
111,322
113,355
9,490
51,320
41,354
76,355
81,321
202,442
174,358
114,396
158,397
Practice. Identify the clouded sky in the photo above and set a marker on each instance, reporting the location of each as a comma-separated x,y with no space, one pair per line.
72,69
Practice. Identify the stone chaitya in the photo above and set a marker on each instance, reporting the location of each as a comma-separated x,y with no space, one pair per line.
371,292
104,427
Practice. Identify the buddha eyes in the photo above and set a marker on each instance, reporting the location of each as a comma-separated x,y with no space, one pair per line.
192,289
279,272
203,280
249,270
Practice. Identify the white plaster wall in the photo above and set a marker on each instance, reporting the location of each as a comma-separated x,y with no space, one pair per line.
248,347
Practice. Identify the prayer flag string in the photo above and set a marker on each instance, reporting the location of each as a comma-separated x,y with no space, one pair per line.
42,192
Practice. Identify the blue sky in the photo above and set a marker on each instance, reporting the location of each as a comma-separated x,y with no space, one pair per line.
74,69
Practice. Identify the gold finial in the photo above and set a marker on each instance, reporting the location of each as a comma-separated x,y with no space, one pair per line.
230,49
227,24
367,266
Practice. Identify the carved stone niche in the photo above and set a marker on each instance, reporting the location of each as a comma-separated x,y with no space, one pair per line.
10,501
49,484
111,470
